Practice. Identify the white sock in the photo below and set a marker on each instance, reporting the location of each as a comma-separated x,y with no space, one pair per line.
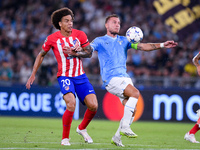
132,118
128,112
118,130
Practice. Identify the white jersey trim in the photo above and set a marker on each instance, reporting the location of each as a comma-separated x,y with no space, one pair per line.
77,66
63,59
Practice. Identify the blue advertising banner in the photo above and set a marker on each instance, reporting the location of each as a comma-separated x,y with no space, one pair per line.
171,105
43,102
155,104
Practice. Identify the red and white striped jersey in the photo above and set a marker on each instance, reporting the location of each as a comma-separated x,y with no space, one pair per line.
67,65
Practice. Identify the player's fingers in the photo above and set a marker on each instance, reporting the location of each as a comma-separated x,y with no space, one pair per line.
78,49
76,45
27,86
66,51
73,49
170,42
66,48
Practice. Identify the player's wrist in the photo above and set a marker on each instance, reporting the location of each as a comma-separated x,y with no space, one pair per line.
162,45
134,46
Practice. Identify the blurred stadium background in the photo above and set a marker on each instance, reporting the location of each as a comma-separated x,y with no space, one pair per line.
166,78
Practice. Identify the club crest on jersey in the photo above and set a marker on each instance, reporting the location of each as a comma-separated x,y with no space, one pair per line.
66,88
120,42
74,41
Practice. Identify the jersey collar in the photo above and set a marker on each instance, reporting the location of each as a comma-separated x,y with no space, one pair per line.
112,37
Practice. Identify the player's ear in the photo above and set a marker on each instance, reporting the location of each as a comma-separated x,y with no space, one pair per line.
59,23
106,25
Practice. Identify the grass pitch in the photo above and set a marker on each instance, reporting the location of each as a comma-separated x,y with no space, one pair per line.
45,133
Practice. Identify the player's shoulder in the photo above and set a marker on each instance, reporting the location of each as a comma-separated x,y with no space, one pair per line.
121,37
77,32
54,35
99,38
124,39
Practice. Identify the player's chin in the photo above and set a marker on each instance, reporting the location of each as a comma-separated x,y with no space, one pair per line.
69,29
114,32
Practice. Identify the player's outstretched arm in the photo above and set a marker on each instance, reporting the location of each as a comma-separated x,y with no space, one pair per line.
196,62
155,46
36,65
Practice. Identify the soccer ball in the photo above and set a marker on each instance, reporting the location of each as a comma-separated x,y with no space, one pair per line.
134,34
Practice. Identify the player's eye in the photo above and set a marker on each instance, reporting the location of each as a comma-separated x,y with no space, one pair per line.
69,21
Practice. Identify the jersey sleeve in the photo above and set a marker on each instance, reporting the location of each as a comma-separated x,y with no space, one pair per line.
47,44
94,44
83,39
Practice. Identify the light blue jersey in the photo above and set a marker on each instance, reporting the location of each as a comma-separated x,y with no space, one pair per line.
112,54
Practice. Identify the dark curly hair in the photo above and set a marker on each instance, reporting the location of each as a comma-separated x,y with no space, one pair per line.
58,14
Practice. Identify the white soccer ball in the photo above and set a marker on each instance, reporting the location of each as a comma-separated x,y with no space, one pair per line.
134,34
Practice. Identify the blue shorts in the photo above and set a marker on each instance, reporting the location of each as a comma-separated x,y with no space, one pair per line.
79,85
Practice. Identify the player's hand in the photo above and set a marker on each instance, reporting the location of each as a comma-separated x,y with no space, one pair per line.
170,44
30,82
77,48
69,50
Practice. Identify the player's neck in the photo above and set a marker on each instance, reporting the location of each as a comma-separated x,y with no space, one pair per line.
112,35
65,33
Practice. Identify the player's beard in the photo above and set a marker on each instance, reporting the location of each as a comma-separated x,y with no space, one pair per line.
114,32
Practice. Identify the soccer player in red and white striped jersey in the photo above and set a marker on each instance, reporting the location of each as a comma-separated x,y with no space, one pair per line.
69,45
190,136
196,60
67,65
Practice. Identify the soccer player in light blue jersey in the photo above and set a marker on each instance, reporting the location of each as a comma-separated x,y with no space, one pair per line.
112,54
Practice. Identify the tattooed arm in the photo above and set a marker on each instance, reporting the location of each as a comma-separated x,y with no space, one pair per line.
37,64
85,52
154,46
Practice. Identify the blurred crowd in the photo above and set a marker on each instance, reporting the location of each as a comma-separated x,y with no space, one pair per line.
25,24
